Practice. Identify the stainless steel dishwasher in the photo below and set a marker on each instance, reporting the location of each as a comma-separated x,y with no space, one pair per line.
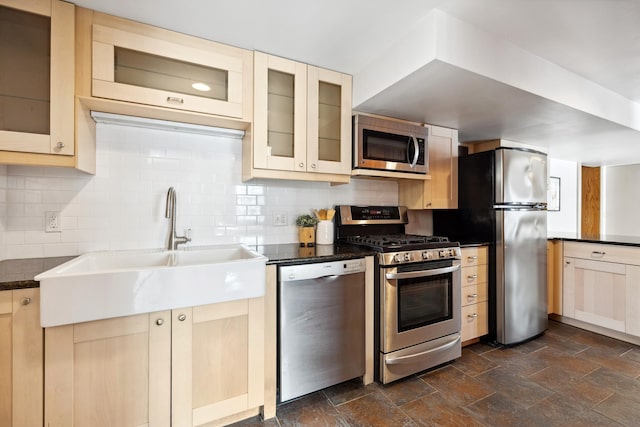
320,326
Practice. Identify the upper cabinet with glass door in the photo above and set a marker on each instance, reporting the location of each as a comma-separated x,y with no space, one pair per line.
37,81
302,122
138,63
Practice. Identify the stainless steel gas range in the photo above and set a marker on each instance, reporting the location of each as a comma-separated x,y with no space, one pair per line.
417,294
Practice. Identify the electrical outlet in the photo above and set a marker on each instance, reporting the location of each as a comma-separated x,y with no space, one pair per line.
52,221
280,219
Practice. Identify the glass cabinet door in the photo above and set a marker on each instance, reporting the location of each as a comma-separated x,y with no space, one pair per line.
167,69
37,78
329,121
280,118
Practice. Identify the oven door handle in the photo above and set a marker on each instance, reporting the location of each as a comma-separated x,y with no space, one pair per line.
412,357
422,273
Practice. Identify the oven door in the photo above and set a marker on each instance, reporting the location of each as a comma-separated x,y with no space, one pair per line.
390,151
420,302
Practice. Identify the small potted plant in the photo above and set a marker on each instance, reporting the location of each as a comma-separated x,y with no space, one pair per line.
306,229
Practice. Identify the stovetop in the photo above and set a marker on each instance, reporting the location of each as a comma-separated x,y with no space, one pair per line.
382,228
394,242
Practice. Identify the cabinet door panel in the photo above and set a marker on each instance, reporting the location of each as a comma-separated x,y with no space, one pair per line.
37,90
138,68
109,372
216,367
329,121
600,293
27,358
5,359
280,114
442,190
633,300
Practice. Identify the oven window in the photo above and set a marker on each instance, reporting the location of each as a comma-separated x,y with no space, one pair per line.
423,301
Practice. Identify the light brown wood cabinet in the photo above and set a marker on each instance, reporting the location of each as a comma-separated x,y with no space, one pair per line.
601,286
138,63
21,358
554,276
185,367
474,277
37,88
441,191
302,122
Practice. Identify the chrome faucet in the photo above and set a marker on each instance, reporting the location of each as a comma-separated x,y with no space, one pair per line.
174,239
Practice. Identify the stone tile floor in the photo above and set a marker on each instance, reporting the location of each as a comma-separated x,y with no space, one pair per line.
566,377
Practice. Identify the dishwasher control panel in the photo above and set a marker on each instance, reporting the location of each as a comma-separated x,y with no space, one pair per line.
321,269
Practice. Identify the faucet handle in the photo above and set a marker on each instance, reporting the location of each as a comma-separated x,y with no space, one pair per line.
187,234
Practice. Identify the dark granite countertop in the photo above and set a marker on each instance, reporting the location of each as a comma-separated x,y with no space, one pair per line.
19,273
608,239
292,253
464,244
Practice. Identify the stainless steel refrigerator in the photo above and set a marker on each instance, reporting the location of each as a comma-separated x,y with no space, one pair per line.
502,201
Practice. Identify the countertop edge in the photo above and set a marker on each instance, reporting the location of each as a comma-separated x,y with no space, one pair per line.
611,240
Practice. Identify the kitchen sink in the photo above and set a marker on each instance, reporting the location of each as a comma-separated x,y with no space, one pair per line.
101,285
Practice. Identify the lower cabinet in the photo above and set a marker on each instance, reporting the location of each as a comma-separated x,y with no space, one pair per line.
601,286
474,278
185,367
21,369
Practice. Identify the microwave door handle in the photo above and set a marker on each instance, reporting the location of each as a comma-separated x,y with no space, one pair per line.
422,273
416,151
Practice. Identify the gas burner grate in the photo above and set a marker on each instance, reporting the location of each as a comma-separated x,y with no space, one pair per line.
388,240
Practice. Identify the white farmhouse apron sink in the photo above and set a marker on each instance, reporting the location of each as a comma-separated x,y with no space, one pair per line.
101,285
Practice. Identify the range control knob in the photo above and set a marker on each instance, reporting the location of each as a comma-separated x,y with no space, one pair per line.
397,258
407,256
444,254
427,255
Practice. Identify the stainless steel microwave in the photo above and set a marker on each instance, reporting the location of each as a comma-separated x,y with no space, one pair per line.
390,145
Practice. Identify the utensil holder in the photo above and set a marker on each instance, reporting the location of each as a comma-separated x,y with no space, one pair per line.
324,233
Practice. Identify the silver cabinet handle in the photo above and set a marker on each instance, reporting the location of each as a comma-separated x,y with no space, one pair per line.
313,165
472,276
182,317
175,100
597,253
472,316
160,322
301,164
60,145
472,258
25,301
472,296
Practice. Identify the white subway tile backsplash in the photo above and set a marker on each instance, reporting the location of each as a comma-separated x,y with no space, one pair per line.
122,206
24,251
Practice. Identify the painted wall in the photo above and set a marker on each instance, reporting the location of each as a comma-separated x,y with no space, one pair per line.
620,200
567,219
122,206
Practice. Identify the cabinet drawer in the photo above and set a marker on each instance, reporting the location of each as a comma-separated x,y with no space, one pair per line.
608,253
474,321
474,294
473,275
474,256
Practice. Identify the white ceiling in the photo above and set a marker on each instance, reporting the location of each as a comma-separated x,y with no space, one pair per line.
561,74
